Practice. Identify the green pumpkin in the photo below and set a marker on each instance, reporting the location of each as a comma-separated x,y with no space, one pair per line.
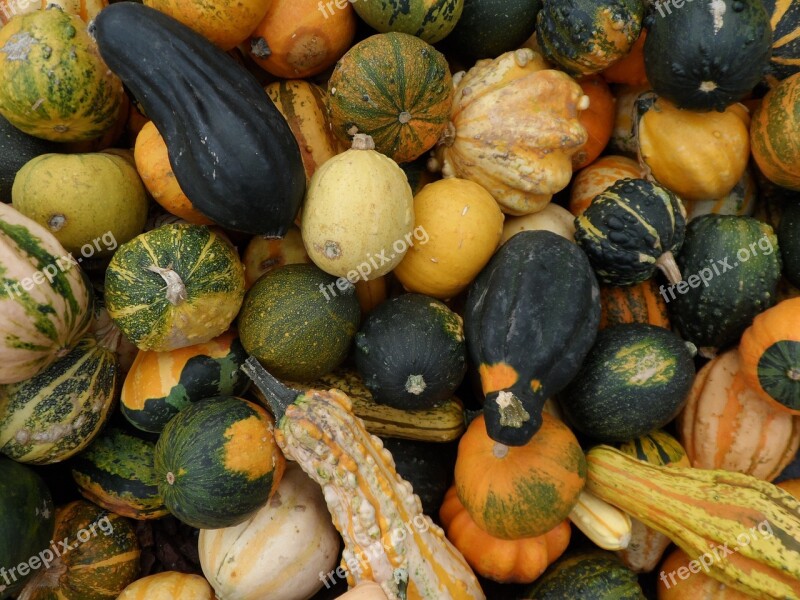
731,268
488,28
117,472
217,462
633,381
298,323
174,286
630,230
53,83
430,20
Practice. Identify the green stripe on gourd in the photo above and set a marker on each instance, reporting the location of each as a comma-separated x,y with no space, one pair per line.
57,413
117,472
658,448
430,20
779,373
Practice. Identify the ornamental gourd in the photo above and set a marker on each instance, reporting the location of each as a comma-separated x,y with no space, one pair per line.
774,147
431,20
599,176
387,537
168,585
523,163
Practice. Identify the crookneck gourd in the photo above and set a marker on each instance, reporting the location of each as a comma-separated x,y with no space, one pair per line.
388,539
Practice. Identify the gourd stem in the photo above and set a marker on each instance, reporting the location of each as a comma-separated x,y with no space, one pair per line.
362,141
278,396
666,262
176,289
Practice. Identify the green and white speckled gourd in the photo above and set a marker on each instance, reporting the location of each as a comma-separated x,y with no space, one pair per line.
388,539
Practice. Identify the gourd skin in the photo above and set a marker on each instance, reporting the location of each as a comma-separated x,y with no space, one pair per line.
774,145
232,152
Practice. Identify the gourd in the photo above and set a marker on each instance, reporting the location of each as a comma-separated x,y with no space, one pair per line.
639,303
524,165
740,201
105,199
457,228
358,215
695,155
599,176
296,39
294,525
526,347
624,136
298,322
598,120
395,88
216,462
168,585
769,355
553,218
788,232
48,61
488,28
262,254
709,54
242,168
174,286
694,584
732,268
46,300
514,492
726,425
366,590
85,9
506,561
585,37
702,511
387,537
633,381
608,527
37,425
429,20
785,48
631,229
629,69
774,149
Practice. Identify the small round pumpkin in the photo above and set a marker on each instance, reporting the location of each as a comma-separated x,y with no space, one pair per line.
301,38
726,425
430,20
598,120
775,148
224,23
514,492
458,226
395,88
505,561
697,585
770,355
168,585
152,162
599,176
174,286
553,218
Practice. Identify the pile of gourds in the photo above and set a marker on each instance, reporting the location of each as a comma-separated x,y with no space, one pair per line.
428,299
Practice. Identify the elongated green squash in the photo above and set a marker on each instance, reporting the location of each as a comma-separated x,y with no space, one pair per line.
744,531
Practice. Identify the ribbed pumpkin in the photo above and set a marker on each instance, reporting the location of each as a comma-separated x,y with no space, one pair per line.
599,176
168,585
775,149
224,23
785,20
584,37
514,492
152,163
431,20
303,105
301,38
696,155
639,303
598,120
726,425
506,561
552,217
523,164
53,83
240,561
103,556
57,413
85,9
117,473
159,384
395,88
174,286
45,304
770,355
697,584
457,228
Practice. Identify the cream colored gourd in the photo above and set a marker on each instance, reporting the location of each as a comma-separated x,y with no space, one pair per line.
726,425
553,218
605,525
242,562
358,215
169,585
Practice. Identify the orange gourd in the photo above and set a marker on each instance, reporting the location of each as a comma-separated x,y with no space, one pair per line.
505,561
601,174
598,120
773,138
640,303
629,69
168,585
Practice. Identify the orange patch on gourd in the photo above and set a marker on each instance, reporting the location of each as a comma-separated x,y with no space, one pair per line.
249,448
499,376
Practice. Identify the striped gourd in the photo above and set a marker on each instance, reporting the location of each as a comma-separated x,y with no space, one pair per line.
240,563
56,414
708,513
639,303
387,537
607,526
168,585
772,140
117,472
42,319
431,20
785,21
